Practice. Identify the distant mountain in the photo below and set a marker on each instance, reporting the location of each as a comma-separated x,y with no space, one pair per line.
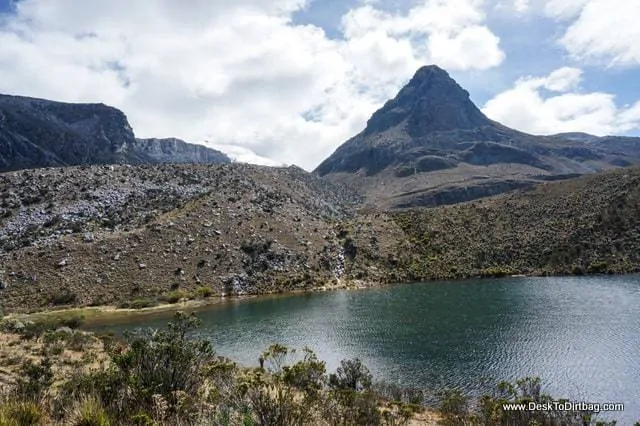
42,133
624,146
431,145
172,150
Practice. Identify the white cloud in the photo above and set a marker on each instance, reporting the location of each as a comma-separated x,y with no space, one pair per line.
235,72
525,107
521,5
244,155
563,79
600,30
564,8
471,46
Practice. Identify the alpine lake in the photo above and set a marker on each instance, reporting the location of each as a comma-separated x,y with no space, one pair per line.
579,335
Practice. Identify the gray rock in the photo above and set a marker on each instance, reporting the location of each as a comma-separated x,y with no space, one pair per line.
172,150
41,133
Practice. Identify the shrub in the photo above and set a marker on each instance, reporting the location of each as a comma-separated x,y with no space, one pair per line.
453,403
204,292
164,362
72,321
66,297
351,375
349,407
138,304
20,413
275,357
35,379
597,267
142,419
91,413
307,375
176,296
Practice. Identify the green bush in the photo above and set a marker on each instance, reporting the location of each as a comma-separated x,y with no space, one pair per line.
204,292
274,403
66,297
453,403
142,419
164,362
35,379
20,413
597,267
176,296
307,375
351,375
138,304
92,413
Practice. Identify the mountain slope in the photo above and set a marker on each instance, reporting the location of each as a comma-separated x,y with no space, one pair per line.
42,133
115,234
431,145
586,225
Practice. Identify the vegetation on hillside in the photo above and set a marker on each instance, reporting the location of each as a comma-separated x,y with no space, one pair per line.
195,232
584,226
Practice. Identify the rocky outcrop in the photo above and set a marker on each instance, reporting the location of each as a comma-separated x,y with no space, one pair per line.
42,133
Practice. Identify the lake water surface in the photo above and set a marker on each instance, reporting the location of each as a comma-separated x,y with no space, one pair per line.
580,335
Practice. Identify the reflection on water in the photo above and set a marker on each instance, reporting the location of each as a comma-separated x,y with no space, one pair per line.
581,335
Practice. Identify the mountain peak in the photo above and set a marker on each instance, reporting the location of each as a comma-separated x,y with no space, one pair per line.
431,101
430,71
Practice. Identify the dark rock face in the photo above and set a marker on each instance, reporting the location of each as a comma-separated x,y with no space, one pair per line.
431,102
431,134
41,133
486,153
459,194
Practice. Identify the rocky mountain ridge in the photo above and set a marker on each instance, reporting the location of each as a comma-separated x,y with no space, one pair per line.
42,133
431,145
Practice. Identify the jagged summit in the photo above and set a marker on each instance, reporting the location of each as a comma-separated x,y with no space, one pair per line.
432,101
431,145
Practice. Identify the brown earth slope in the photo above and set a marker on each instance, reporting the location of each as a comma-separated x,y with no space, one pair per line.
103,235
107,235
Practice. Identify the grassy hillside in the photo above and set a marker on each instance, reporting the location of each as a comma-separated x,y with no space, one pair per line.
585,225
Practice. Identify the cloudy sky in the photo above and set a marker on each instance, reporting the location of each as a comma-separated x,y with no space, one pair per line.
289,80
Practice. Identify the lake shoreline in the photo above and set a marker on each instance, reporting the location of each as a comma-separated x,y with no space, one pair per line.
111,314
